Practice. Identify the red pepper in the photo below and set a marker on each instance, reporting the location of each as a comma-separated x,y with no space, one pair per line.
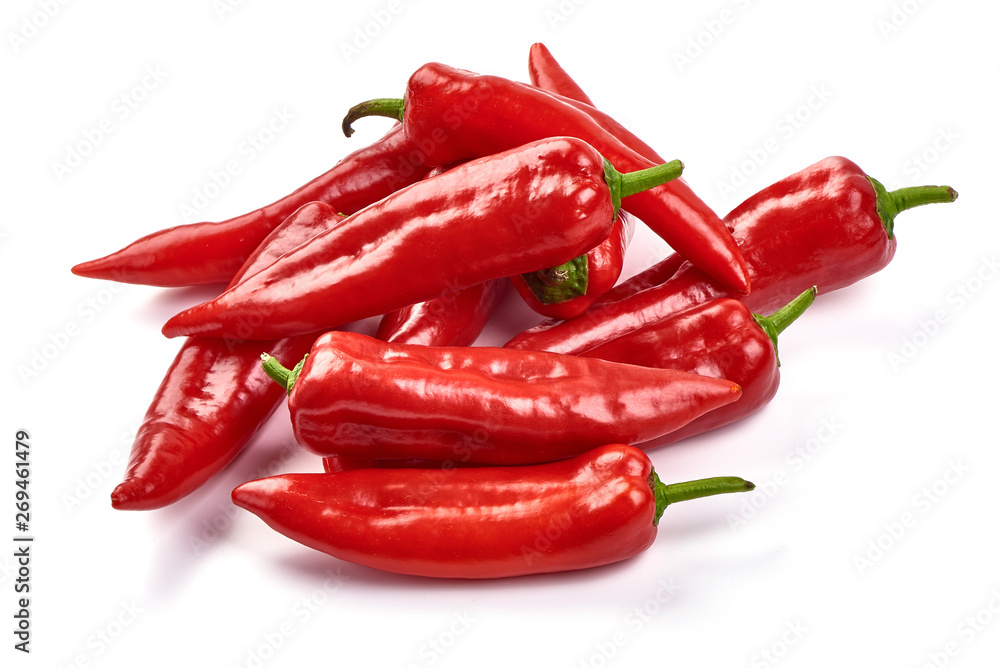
598,508
546,72
213,252
568,290
454,319
535,206
719,339
587,280
454,114
359,397
213,398
828,225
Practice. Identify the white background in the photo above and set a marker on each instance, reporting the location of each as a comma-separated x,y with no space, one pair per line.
888,386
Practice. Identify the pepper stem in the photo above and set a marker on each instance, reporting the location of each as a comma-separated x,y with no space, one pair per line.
559,284
889,204
390,107
777,322
693,489
629,183
279,374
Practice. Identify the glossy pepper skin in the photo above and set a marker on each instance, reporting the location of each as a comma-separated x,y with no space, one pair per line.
358,397
546,72
455,114
601,507
829,226
453,319
202,253
719,339
213,398
603,269
463,227
604,262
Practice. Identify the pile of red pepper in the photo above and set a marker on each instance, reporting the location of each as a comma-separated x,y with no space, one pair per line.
450,460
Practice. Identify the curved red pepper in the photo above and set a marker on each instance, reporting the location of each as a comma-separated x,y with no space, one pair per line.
719,339
454,319
546,72
454,114
597,508
359,397
604,262
213,398
829,225
535,206
604,268
213,252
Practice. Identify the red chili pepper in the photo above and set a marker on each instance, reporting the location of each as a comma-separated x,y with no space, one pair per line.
213,252
359,397
535,206
337,463
597,508
546,72
454,319
828,225
454,114
719,339
568,290
213,398
584,282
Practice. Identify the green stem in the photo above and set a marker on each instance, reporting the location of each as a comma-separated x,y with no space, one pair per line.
279,374
890,204
694,489
777,322
630,183
559,284
390,107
